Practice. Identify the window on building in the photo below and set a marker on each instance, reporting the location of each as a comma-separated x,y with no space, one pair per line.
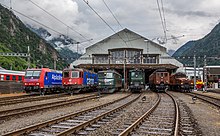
134,56
117,57
150,59
101,59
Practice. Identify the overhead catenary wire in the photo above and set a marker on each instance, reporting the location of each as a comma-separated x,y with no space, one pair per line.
115,19
35,21
68,27
164,18
112,14
87,3
162,21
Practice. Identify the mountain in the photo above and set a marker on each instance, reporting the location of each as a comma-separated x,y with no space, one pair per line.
208,46
16,37
63,44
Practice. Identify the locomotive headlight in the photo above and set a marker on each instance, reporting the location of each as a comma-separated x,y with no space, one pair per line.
37,83
181,83
69,80
75,82
25,83
99,83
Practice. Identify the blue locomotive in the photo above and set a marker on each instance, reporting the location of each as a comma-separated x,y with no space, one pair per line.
76,80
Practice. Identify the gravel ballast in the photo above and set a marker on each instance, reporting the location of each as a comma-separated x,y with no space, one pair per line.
206,115
22,122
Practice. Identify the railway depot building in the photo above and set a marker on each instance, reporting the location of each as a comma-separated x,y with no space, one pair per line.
127,50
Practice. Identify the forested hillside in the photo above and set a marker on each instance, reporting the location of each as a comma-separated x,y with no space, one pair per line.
16,37
208,45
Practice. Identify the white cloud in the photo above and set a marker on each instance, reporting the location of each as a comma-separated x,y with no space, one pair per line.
193,19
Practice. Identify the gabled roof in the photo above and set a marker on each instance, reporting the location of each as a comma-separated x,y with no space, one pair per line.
126,31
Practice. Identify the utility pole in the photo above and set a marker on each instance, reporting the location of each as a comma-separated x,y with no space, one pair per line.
205,73
54,61
194,59
77,46
29,63
124,70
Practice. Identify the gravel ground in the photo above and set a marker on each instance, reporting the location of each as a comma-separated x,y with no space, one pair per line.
207,116
216,95
11,94
25,104
131,112
22,122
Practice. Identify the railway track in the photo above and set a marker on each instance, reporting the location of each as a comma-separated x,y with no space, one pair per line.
28,98
13,97
8,114
214,91
74,122
161,119
188,124
208,99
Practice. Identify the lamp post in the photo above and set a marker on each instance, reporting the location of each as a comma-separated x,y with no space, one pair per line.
124,74
194,59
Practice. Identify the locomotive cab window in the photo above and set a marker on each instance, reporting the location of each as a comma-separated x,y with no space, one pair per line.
165,74
32,74
105,75
136,75
75,74
66,74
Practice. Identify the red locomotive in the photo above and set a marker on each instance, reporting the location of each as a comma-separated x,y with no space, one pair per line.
76,80
179,82
159,80
43,80
11,75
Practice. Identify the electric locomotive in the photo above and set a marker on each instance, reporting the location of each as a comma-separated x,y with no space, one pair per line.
179,82
76,80
43,80
159,80
136,80
109,81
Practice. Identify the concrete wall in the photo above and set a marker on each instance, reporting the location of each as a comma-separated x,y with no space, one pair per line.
10,87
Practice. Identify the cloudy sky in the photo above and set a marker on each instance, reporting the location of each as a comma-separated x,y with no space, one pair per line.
191,18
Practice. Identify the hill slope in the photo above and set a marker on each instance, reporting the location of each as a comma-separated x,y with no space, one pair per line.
208,45
16,37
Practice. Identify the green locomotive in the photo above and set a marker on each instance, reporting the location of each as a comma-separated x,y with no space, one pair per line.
136,80
109,81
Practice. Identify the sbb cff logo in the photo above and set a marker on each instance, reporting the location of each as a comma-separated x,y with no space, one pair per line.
55,77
